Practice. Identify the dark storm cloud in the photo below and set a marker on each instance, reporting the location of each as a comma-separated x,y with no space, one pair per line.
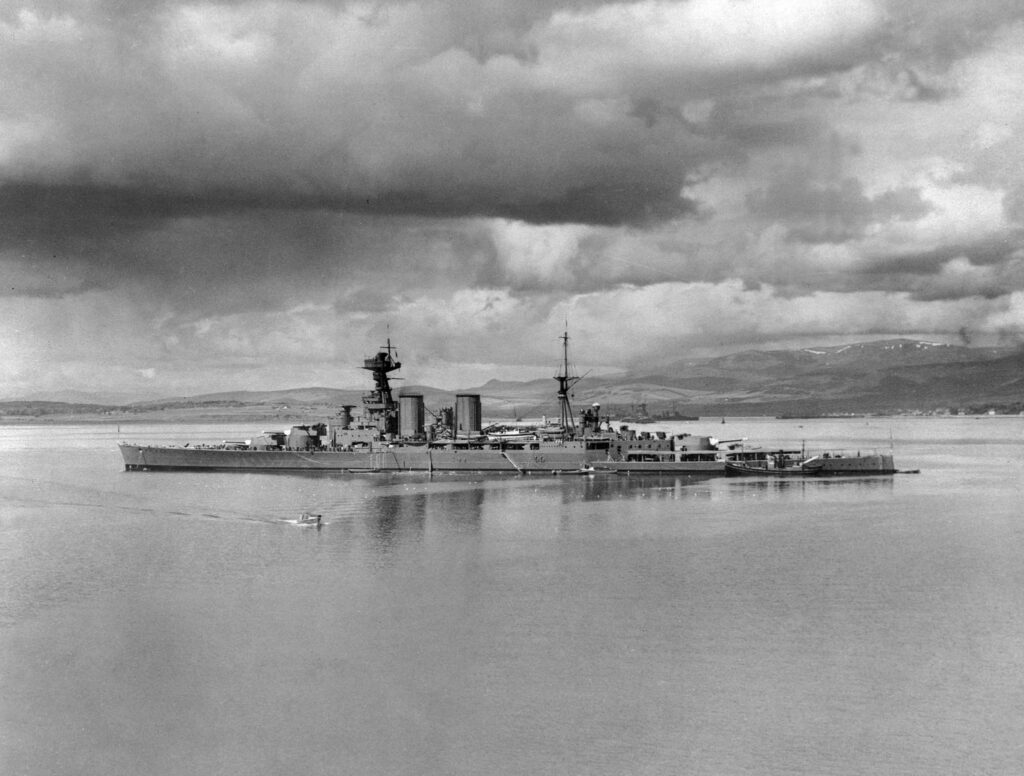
988,268
56,213
916,88
193,249
634,202
618,201
832,213
444,110
746,134
107,233
651,110
985,252
232,105
942,31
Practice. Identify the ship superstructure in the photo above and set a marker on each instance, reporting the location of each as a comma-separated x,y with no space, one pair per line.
379,406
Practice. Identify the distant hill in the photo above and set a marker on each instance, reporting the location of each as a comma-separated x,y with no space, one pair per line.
49,409
83,397
882,376
872,377
297,396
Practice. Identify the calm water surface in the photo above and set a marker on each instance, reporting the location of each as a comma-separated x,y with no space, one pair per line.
180,623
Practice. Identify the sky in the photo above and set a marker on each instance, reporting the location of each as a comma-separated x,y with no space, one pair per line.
204,196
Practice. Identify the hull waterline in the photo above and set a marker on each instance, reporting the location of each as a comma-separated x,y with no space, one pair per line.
152,458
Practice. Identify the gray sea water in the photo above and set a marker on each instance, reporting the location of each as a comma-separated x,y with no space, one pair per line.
180,623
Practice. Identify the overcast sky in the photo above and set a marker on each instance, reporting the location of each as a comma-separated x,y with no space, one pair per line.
211,196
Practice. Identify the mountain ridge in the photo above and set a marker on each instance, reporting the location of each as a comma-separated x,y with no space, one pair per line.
875,376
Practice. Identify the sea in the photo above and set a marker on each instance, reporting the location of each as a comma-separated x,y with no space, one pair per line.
182,623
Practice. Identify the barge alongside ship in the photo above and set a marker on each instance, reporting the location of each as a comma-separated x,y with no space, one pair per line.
830,464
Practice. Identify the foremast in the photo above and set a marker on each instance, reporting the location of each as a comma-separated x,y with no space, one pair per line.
379,406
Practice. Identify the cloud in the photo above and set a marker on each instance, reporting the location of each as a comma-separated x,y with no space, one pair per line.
833,213
211,192
960,277
304,105
615,46
944,31
405,108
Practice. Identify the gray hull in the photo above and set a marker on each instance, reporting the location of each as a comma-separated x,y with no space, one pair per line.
662,467
820,467
857,464
399,458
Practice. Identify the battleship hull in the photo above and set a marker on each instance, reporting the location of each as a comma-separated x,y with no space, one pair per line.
662,467
400,458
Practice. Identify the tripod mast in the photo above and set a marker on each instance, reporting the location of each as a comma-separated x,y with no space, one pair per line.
565,384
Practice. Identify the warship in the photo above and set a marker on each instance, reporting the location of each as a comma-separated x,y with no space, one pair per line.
391,434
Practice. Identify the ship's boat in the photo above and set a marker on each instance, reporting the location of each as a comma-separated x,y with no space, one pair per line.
646,453
502,431
738,469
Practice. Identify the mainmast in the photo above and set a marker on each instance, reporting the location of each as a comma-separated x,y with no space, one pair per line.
379,405
565,383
